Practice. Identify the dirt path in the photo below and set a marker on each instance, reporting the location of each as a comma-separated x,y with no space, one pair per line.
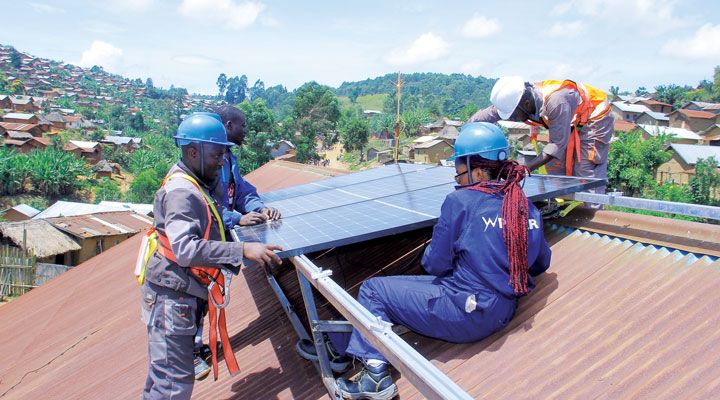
332,155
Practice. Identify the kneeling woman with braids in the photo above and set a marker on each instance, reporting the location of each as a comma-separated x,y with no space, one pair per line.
486,246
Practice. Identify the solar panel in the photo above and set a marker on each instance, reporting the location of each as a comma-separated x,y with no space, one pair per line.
372,205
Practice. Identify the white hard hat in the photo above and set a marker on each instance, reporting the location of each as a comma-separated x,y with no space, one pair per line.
506,95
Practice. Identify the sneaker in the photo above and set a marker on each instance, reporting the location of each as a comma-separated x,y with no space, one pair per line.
202,369
371,383
338,363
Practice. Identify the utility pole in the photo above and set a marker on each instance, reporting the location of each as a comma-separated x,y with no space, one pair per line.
398,85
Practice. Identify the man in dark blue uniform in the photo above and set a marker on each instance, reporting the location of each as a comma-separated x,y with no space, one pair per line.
188,237
474,280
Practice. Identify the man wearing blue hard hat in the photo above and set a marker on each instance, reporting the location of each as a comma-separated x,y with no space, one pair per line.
191,252
487,245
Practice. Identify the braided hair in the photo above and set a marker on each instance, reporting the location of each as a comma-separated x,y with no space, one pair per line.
505,179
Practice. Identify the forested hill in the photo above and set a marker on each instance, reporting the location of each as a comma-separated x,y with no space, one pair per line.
441,94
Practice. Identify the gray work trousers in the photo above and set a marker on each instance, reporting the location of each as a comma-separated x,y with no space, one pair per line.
170,319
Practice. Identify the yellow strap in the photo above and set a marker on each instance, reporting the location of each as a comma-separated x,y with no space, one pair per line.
208,200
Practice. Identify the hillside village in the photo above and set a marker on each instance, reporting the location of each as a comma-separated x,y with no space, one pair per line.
64,107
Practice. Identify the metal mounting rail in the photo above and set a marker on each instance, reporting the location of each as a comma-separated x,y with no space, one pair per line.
612,199
428,379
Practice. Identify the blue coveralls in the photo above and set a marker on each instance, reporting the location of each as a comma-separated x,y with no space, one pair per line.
467,256
236,195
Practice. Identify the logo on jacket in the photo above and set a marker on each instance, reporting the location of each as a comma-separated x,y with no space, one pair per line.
497,222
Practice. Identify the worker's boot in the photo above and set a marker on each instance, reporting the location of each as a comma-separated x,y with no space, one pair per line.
370,383
202,369
306,349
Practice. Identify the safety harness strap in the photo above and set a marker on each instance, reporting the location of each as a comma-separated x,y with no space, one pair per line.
213,279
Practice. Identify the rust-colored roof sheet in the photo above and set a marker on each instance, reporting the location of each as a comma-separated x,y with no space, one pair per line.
623,126
277,174
102,224
15,126
612,318
697,114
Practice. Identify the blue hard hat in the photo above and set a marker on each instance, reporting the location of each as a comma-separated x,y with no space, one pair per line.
202,127
483,139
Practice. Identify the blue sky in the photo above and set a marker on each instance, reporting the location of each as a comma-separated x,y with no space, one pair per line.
627,43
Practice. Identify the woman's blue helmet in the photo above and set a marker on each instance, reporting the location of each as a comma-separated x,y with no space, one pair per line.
202,127
481,138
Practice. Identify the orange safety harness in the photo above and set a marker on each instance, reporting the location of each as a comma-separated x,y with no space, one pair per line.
213,278
593,106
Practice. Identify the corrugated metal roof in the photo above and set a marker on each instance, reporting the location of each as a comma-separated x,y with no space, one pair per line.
102,224
69,208
427,145
657,115
697,114
680,133
278,174
612,318
26,210
634,108
691,153
18,116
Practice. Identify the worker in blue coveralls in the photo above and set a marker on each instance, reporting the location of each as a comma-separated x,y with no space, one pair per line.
188,237
241,206
486,246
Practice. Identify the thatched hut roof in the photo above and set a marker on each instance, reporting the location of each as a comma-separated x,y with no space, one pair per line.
41,237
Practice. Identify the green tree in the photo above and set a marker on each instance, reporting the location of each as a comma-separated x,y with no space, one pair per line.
354,130
107,189
143,188
137,122
633,162
257,90
259,132
14,171
641,91
716,84
15,58
614,91
706,182
221,83
54,172
315,112
671,94
16,87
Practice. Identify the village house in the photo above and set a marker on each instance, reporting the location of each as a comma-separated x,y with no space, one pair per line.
95,233
681,165
126,143
653,118
676,135
624,126
696,121
21,118
702,106
627,112
431,152
282,148
5,103
437,126
656,106
92,152
38,237
33,129
23,104
106,169
20,212
711,135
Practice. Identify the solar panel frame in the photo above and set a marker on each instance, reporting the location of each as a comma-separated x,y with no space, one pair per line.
382,215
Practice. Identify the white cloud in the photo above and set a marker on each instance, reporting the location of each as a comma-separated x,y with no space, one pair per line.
472,67
138,6
566,29
480,27
102,27
229,13
269,21
194,60
46,8
704,44
642,14
427,47
103,54
567,71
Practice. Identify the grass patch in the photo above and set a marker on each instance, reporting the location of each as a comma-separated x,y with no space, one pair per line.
367,102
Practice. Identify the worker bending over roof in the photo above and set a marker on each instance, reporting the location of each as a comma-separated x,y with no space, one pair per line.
486,246
576,115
